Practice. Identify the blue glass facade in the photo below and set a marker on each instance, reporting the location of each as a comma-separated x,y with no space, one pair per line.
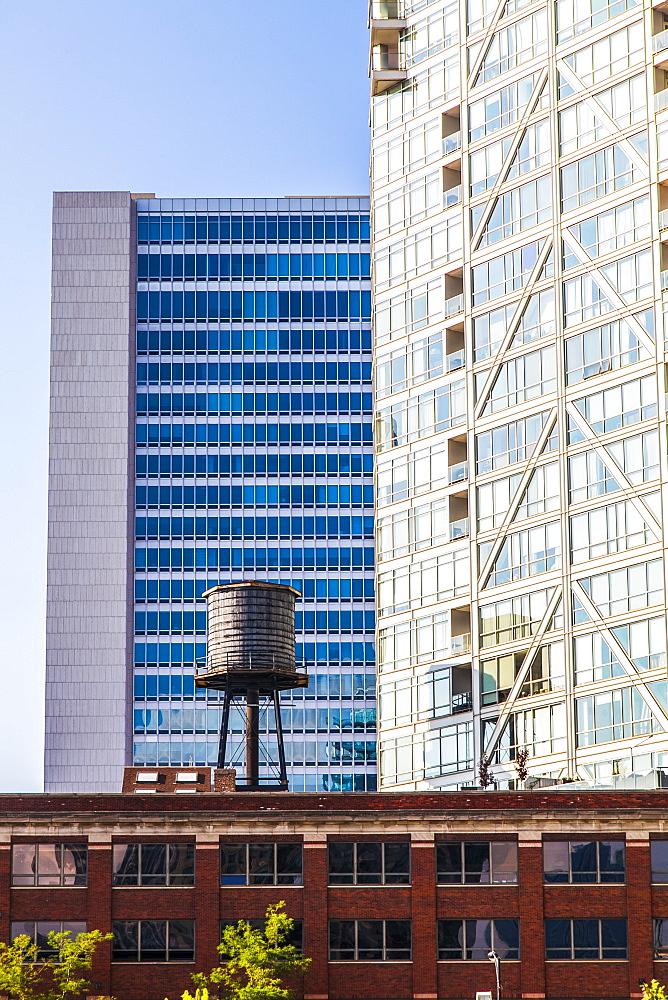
254,461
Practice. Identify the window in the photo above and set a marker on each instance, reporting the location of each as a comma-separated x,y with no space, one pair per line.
420,416
369,864
525,553
659,850
154,864
416,473
501,108
533,150
626,104
38,931
626,589
406,205
409,311
606,530
523,378
540,730
414,699
416,254
49,864
153,941
515,618
644,641
476,863
505,274
638,457
425,582
261,864
474,939
295,937
595,176
594,660
441,751
370,941
614,229
610,55
411,365
412,149
576,16
431,35
660,938
515,211
577,940
514,45
581,861
509,443
614,715
424,90
419,640
485,164
620,406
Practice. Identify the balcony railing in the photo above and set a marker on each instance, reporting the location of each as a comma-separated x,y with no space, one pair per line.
452,143
660,42
459,529
453,305
663,219
664,281
455,360
385,10
452,197
462,702
383,61
661,100
458,473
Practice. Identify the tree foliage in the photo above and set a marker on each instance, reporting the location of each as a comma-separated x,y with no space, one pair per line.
653,991
254,961
24,975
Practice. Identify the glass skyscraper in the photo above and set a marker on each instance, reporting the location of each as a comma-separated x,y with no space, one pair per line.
519,165
227,345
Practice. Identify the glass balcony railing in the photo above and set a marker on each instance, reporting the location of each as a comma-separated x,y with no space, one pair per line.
386,10
458,473
382,61
453,305
660,42
661,100
459,529
452,143
664,281
455,360
663,219
452,197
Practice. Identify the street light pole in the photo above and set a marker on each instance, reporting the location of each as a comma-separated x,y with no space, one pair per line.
493,957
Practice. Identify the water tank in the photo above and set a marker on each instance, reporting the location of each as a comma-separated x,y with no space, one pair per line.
251,627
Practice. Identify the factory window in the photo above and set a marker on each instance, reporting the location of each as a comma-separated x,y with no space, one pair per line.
660,938
38,931
584,861
474,939
154,865
261,864
370,940
478,863
153,941
49,864
578,940
295,936
369,864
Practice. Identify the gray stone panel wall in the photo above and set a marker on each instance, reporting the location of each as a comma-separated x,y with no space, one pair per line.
89,574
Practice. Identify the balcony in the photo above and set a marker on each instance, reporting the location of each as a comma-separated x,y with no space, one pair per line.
453,306
458,473
452,197
462,702
661,101
455,361
664,281
460,645
386,69
385,10
452,143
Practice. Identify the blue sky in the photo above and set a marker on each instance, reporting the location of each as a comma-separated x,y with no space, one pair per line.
208,98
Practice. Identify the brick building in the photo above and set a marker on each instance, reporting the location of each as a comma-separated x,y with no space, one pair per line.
395,896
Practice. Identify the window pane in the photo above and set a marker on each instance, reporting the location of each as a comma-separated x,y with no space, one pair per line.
397,940
660,938
126,864
341,863
341,940
507,938
369,864
233,864
558,939
478,939
289,864
450,939
260,864
613,939
181,864
583,861
125,946
181,940
75,864
153,935
24,864
42,930
449,862
585,939
48,864
659,860
476,863
504,863
555,861
397,863
612,860
369,940
153,864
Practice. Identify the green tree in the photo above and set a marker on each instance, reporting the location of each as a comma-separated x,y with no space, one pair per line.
24,975
653,991
254,961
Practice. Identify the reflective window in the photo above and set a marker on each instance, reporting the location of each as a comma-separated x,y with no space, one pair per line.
369,863
261,864
474,939
39,930
580,861
153,941
156,864
370,940
476,863
578,940
49,864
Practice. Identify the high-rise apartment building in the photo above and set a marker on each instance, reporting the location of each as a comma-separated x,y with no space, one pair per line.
520,164
210,421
